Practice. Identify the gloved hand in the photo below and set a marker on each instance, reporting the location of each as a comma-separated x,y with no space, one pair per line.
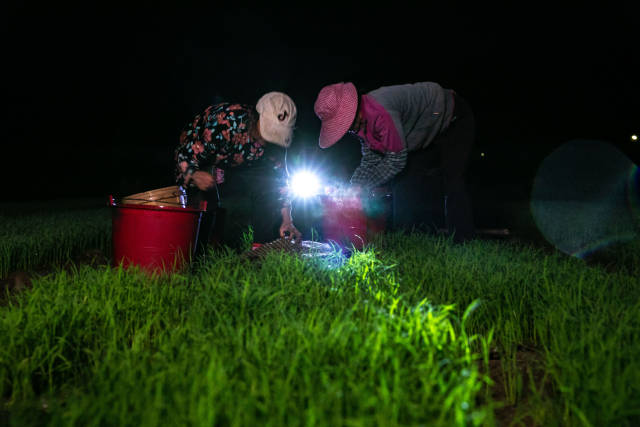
219,176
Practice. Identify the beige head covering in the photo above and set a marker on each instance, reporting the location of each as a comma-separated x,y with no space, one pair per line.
278,116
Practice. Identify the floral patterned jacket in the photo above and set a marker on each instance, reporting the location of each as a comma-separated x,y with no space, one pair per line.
220,137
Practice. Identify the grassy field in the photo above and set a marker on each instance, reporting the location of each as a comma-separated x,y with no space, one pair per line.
39,235
412,331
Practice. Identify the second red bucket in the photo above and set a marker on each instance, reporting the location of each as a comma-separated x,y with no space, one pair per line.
349,219
344,221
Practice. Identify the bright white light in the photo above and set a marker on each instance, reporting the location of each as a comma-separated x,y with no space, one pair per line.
305,184
634,137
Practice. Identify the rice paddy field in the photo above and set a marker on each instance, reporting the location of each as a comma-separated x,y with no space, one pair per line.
413,330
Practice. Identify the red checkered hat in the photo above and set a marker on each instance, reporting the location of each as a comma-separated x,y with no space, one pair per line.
336,107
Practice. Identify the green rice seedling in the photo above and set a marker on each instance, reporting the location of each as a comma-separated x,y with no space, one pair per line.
581,318
42,240
237,344
398,334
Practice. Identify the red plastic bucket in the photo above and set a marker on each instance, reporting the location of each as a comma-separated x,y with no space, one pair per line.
351,220
156,238
344,221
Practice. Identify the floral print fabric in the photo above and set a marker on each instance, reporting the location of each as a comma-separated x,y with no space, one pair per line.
218,137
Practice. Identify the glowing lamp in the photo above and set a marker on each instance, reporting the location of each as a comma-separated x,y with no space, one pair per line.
305,184
634,137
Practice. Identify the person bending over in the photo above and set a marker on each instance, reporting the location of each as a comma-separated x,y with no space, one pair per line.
233,150
397,126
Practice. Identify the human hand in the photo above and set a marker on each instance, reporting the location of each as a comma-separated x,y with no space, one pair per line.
287,229
203,180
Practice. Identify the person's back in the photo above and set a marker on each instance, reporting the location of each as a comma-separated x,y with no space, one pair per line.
421,110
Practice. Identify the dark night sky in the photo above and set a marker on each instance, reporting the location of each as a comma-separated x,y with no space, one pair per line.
96,98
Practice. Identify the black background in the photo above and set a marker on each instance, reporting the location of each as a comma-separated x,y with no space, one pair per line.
95,97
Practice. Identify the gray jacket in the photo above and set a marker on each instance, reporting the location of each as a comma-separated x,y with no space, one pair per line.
420,111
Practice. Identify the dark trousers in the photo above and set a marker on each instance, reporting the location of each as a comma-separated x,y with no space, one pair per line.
433,185
247,198
207,231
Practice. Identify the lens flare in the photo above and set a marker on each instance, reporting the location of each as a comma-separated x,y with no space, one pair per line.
585,197
305,184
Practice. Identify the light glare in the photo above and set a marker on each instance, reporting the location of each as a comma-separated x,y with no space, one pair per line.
305,184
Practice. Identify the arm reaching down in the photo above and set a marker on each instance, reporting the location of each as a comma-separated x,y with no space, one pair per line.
287,226
378,169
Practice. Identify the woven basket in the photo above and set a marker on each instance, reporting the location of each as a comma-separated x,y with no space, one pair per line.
173,196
